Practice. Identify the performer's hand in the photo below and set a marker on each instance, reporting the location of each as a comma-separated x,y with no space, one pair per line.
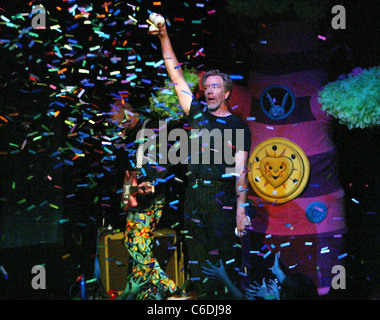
130,177
242,221
145,188
129,200
162,32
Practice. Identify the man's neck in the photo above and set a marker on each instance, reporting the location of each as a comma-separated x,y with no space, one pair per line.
222,111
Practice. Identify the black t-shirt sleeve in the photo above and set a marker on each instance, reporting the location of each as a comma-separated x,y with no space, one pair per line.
247,137
238,123
195,108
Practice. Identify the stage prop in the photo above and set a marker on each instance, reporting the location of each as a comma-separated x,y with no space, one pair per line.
115,261
278,170
293,161
354,99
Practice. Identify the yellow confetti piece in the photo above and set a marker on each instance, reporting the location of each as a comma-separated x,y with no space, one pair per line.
130,17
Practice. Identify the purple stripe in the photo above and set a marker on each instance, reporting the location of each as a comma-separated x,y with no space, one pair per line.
301,113
323,177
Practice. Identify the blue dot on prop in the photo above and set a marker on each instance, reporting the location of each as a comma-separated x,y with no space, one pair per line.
316,212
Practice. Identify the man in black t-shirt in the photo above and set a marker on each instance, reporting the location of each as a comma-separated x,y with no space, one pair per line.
216,195
219,139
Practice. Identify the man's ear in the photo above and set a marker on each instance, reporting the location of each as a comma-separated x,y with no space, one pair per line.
227,94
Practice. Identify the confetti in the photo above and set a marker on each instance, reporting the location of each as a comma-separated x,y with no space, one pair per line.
342,256
5,274
267,254
87,56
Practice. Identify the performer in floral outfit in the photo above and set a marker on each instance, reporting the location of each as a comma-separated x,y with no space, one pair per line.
143,199
138,240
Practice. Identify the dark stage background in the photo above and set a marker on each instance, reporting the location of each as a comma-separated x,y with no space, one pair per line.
58,181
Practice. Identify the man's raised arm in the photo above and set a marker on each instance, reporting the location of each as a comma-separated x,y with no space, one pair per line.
174,70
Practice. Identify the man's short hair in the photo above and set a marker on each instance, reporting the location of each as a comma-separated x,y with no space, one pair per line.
228,83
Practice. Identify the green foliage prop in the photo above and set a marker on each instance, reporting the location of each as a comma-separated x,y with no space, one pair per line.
354,101
165,102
